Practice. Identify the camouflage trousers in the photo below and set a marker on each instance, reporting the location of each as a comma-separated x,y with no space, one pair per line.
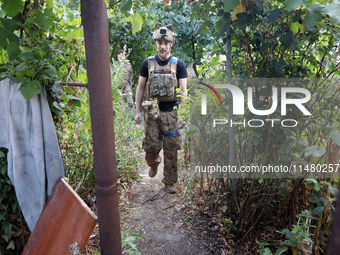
154,141
127,94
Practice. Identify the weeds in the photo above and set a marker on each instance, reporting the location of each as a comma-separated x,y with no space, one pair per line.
128,240
14,231
74,131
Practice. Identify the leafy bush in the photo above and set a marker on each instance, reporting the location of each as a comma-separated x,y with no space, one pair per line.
14,231
74,131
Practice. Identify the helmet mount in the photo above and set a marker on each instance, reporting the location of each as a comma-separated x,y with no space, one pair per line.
164,32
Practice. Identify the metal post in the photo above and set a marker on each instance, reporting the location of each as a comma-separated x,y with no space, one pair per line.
230,115
95,23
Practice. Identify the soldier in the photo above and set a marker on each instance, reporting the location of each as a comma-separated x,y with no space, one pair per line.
159,77
126,84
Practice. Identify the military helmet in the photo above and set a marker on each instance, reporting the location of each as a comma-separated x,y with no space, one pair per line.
167,33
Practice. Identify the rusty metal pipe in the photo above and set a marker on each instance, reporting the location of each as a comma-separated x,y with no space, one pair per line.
95,23
75,84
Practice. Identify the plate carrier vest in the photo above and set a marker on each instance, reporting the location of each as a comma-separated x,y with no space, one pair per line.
162,81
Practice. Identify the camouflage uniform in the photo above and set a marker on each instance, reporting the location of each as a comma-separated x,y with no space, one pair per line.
162,132
126,84
154,140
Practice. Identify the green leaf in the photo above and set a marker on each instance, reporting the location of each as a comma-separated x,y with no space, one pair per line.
12,7
313,15
284,189
312,180
2,155
191,132
314,199
42,19
333,10
28,55
292,4
278,68
319,209
6,37
125,6
136,235
244,20
49,72
309,20
267,251
264,47
49,3
259,5
29,89
10,24
317,187
137,23
281,250
334,191
230,4
13,48
57,105
70,35
203,30
294,27
273,15
7,228
314,150
226,17
287,39
335,136
29,73
219,24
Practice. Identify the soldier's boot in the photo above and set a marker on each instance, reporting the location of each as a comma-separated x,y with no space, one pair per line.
170,188
153,170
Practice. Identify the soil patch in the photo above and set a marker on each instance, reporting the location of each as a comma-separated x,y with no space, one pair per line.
161,218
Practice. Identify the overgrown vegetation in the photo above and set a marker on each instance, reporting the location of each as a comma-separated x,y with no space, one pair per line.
14,231
273,40
42,42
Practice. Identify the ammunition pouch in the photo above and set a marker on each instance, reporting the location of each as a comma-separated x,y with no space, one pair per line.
150,109
163,86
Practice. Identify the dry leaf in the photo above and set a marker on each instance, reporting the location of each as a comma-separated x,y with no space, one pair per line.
237,10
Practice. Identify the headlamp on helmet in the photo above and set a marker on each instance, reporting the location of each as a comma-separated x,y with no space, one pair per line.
167,33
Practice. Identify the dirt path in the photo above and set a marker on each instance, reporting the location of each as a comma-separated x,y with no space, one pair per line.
160,218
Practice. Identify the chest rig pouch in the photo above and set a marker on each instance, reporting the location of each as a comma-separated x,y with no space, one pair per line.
162,81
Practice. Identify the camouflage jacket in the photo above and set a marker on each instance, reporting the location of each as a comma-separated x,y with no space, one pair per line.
127,78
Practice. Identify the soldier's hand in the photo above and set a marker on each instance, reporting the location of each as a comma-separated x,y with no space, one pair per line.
180,123
138,118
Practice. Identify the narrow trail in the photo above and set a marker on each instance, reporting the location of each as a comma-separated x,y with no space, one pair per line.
160,218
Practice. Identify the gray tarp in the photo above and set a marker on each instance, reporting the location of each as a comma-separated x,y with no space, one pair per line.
34,158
